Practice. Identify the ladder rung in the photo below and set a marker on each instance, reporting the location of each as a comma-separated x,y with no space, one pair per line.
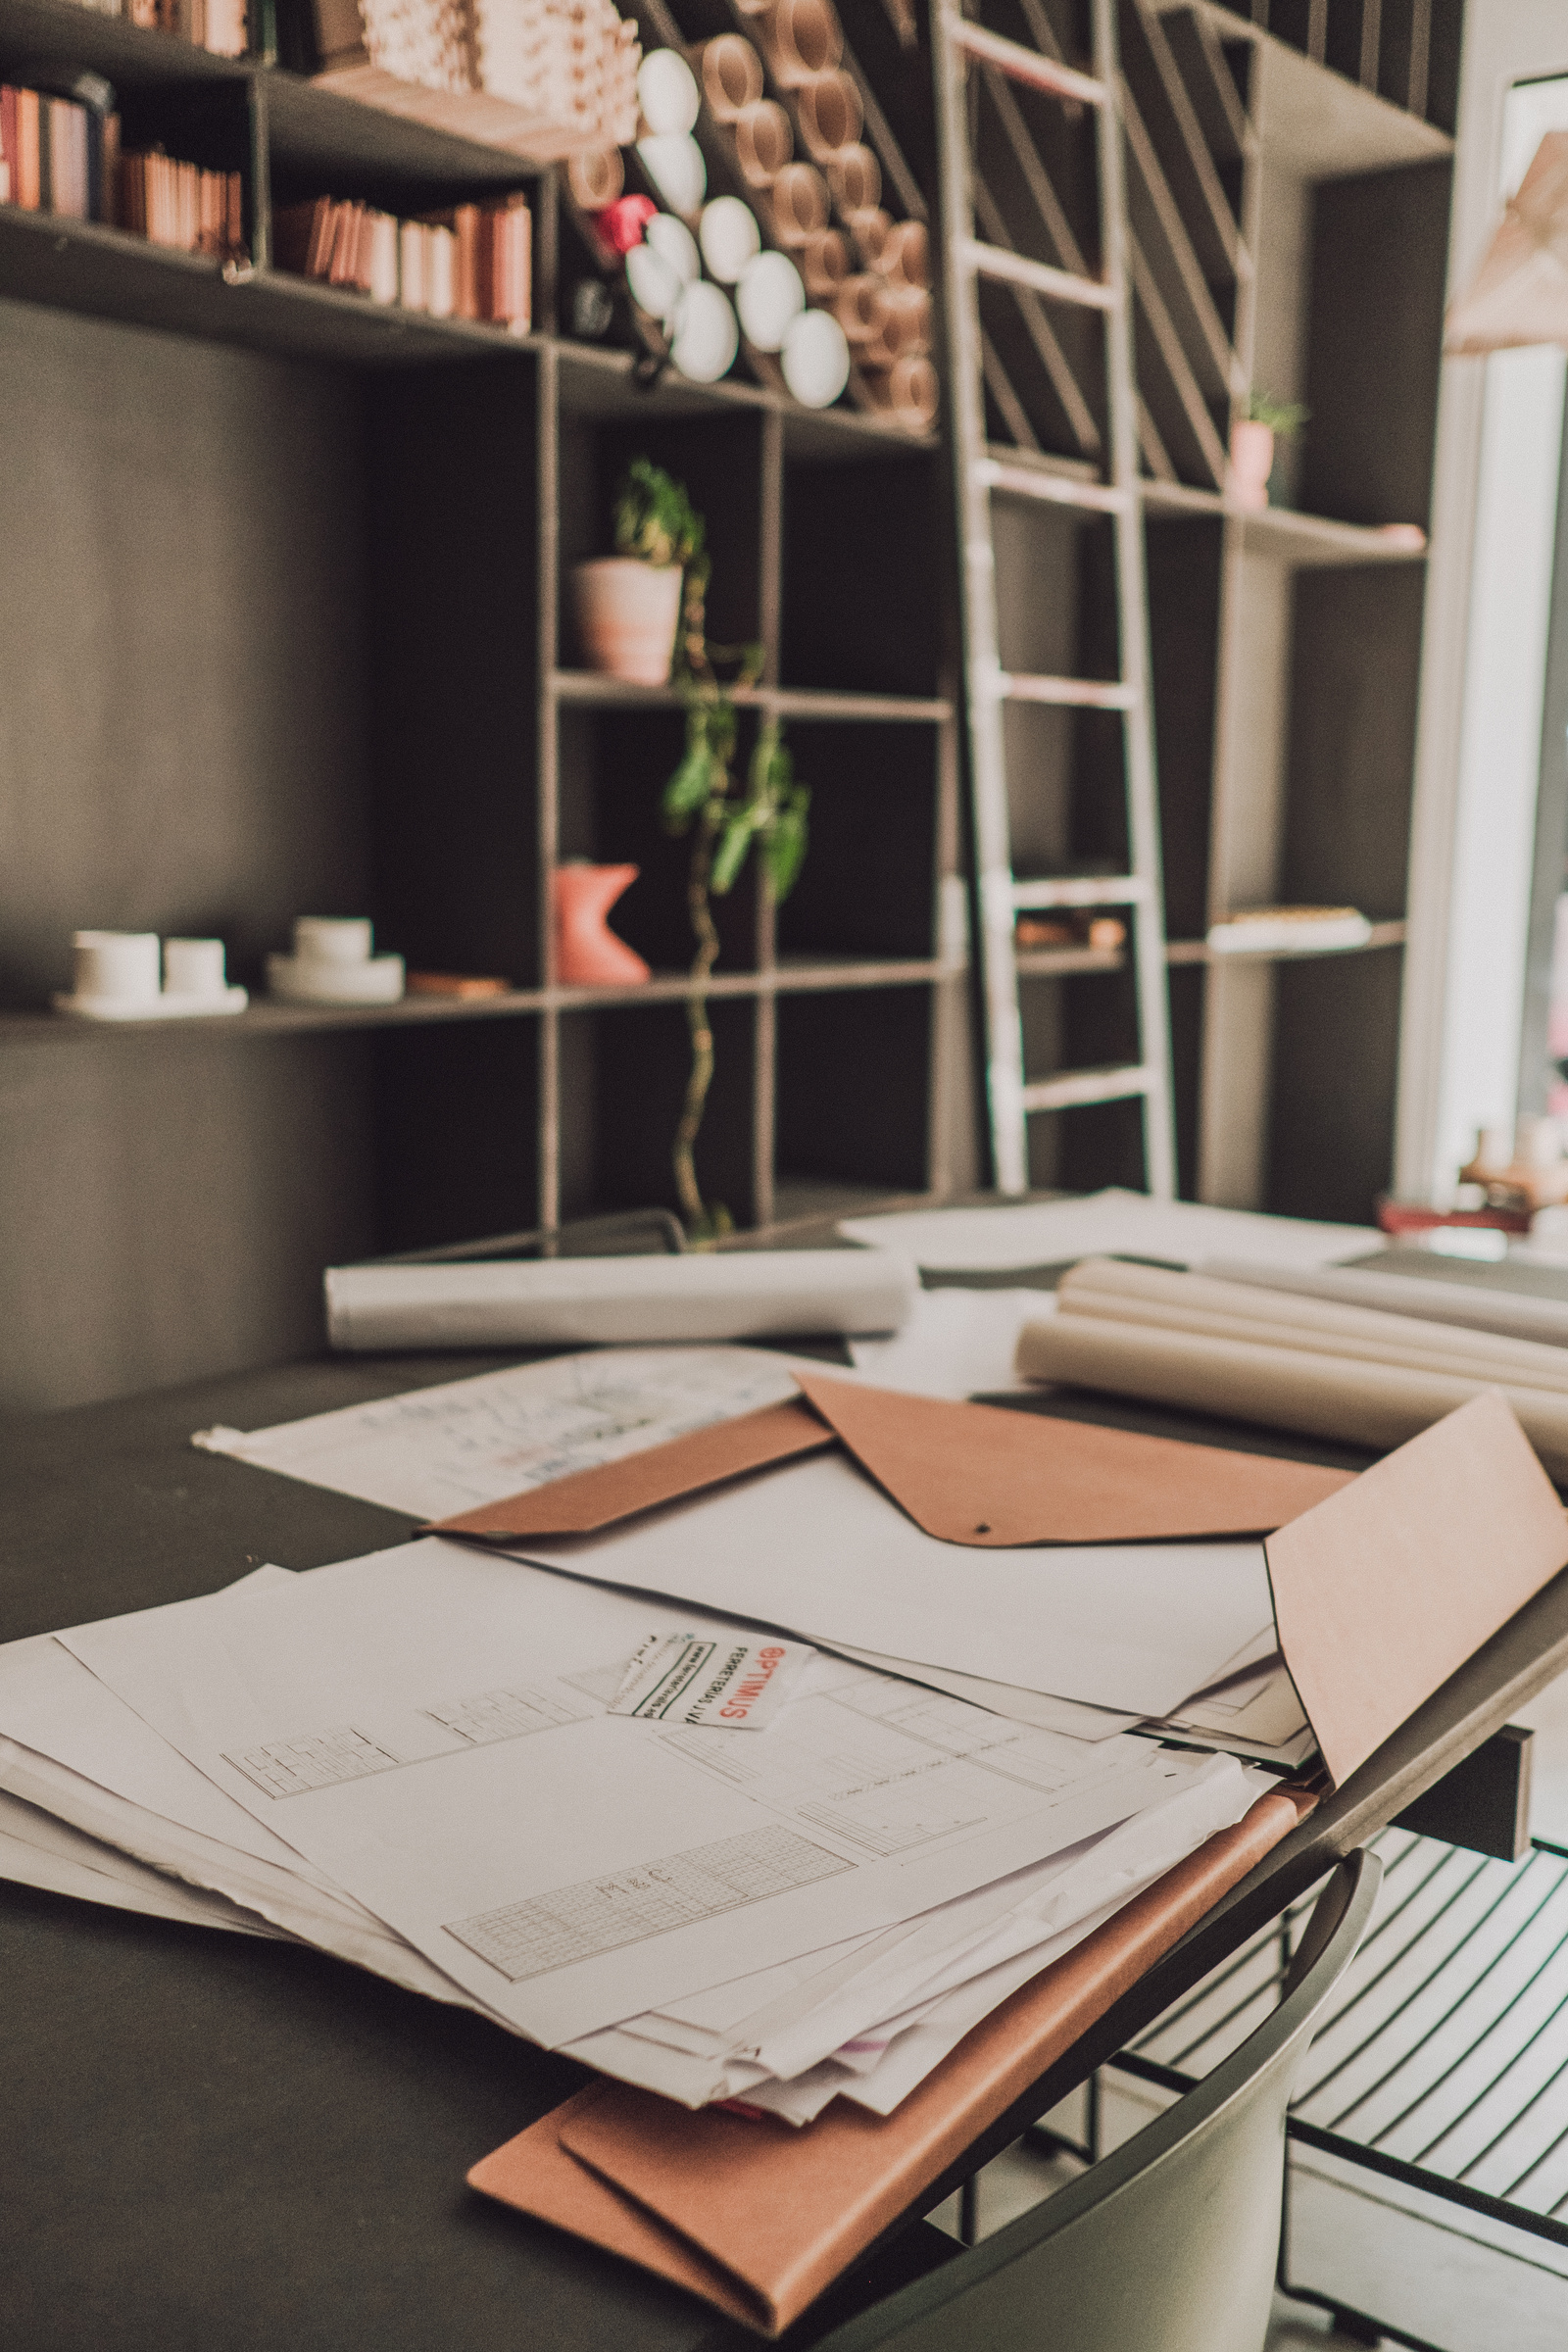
1023,65
1017,269
1081,890
1055,489
1079,694
1113,1085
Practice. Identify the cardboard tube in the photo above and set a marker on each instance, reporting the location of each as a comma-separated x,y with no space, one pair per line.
855,178
871,232
903,328
595,177
763,142
1278,1388
804,40
831,117
908,392
824,264
856,308
904,259
800,204
732,75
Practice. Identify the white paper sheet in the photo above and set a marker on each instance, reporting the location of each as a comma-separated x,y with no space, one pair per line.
955,1344
435,1451
36,1850
816,1549
421,1726
1050,1233
1065,1715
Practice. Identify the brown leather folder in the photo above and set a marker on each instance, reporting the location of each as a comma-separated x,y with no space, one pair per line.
759,2217
967,1473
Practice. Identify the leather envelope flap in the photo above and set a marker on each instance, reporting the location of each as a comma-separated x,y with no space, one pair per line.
973,1474
1385,1589
981,1474
589,1499
773,2215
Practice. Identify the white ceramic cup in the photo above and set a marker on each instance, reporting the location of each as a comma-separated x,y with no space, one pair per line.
332,939
194,968
122,964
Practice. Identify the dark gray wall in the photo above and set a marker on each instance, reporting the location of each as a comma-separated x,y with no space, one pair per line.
181,749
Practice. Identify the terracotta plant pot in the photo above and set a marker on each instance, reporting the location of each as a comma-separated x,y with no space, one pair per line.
627,618
588,955
1252,464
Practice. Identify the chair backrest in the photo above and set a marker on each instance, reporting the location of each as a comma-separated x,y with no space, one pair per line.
1170,2243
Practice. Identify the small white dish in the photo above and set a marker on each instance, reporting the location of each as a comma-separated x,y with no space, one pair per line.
310,980
173,1005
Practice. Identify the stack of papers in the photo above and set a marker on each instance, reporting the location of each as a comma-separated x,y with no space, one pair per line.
423,1763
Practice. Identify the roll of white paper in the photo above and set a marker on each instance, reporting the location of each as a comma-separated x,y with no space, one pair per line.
730,237
769,297
667,93
569,1302
656,287
673,161
817,358
705,337
675,243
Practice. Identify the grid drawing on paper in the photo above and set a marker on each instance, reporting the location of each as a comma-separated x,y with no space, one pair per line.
318,1760
578,1923
505,1715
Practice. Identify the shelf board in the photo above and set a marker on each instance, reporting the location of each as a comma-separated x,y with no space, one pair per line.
1319,124
1055,964
1281,532
586,689
598,384
794,975
1198,951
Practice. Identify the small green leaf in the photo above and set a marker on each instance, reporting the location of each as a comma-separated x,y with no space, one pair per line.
786,846
730,855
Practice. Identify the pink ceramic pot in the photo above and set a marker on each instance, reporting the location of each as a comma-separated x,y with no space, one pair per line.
1252,464
588,955
626,617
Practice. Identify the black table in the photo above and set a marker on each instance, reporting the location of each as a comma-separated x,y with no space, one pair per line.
212,2144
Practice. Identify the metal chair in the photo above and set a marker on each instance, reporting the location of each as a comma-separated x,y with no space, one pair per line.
1168,2244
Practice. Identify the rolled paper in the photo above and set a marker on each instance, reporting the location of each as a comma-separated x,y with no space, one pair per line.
816,360
729,238
855,178
704,337
824,263
667,93
763,142
908,392
673,161
654,284
595,178
857,307
905,256
769,298
800,204
732,75
831,115
804,38
675,243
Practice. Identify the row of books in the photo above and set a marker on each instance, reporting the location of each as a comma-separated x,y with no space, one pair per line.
221,26
474,262
61,157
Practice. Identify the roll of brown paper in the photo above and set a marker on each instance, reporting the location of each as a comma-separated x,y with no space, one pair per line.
830,113
908,392
1279,1388
732,75
595,177
763,142
905,256
800,204
823,261
871,232
804,38
855,178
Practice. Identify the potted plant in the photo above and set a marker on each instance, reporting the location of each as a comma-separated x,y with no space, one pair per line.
724,818
628,604
1253,439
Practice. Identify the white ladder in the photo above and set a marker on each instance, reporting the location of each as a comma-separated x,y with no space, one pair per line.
961,47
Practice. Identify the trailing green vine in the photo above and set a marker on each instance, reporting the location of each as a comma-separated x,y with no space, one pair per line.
655,519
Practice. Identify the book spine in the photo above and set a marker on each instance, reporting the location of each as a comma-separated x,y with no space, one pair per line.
7,144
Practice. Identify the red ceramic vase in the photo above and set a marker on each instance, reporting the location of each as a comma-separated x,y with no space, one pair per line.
588,955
